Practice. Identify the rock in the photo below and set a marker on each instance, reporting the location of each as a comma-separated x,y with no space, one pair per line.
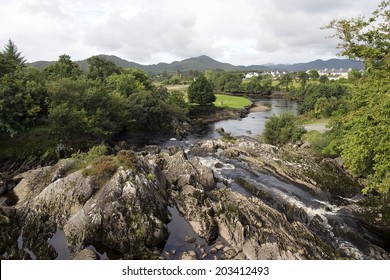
189,239
179,172
189,203
204,148
229,253
63,166
86,254
213,250
247,223
190,255
181,129
125,213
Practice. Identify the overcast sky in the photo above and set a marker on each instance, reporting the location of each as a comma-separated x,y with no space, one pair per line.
240,32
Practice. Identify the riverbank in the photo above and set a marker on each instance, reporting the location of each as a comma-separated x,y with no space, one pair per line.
234,198
242,200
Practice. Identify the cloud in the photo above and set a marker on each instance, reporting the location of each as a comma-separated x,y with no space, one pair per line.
239,32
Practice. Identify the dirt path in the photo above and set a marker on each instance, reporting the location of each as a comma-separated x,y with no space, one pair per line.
320,127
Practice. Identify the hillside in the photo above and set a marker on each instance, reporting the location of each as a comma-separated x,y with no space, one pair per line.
204,62
319,64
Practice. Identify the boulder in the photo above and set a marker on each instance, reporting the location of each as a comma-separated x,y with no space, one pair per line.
128,213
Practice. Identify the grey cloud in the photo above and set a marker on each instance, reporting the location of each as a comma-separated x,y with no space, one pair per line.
239,32
145,34
47,8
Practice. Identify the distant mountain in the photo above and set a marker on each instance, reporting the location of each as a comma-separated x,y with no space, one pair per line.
318,64
200,63
204,62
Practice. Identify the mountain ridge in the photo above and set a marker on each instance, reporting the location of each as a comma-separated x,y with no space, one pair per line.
204,62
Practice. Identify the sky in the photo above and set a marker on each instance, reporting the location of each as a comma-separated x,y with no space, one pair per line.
241,32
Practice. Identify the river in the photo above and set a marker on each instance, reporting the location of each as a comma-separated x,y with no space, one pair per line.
343,232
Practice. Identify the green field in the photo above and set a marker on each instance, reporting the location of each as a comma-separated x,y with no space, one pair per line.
230,101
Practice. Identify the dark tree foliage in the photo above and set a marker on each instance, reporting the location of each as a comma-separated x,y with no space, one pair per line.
201,91
100,68
61,103
22,92
80,107
313,93
10,59
63,68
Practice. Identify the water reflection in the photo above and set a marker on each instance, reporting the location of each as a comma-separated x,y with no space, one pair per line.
251,125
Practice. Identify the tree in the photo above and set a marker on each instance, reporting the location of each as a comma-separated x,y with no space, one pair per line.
22,93
286,80
323,79
85,108
125,84
322,93
11,59
354,75
100,68
145,111
362,135
314,75
365,39
303,78
201,91
63,68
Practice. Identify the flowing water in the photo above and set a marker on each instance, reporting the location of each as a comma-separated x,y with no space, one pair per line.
344,232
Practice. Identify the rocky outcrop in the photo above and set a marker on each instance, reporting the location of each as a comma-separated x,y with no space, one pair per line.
297,167
253,229
189,182
127,213
125,208
261,232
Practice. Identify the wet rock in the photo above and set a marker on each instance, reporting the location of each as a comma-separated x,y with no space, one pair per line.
190,202
189,239
247,223
206,148
181,129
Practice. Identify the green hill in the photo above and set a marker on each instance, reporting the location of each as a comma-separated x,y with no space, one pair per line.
203,62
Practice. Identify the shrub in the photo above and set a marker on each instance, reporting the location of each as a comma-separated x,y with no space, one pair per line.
127,159
102,169
282,129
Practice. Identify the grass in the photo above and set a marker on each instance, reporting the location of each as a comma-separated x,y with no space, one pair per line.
229,101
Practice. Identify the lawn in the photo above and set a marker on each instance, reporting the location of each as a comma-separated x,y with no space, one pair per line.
230,101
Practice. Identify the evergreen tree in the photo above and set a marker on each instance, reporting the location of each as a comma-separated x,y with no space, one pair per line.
201,91
10,59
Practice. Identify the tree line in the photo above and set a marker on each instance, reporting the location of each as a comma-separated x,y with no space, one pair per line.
65,103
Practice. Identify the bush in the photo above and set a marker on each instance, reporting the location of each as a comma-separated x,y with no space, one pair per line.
282,129
102,169
318,142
